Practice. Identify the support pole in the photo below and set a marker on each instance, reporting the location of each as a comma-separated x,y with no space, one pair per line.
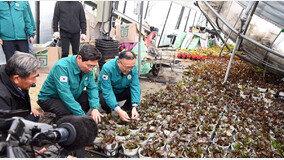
198,20
165,24
103,17
231,59
194,18
243,36
231,32
37,5
139,40
239,39
146,9
110,19
211,23
266,53
187,20
124,8
254,5
179,18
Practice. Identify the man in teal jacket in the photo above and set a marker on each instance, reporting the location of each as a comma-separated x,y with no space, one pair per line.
14,22
62,92
119,81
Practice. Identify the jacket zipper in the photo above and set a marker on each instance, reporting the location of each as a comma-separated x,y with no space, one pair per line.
80,80
12,19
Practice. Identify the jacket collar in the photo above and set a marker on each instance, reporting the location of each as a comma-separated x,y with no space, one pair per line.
116,66
10,85
12,3
75,65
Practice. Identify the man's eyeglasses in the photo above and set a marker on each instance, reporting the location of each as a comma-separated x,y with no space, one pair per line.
91,66
126,67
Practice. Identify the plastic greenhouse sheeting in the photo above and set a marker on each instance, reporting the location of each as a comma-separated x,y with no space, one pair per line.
194,43
179,40
271,11
187,40
145,67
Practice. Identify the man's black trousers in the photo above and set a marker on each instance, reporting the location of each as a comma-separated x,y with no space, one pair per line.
57,106
66,39
125,95
9,47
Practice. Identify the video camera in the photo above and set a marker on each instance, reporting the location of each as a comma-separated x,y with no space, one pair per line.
19,136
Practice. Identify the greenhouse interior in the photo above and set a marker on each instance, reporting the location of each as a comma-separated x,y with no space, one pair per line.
210,80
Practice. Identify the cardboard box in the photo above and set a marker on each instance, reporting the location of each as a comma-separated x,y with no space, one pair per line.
127,33
47,56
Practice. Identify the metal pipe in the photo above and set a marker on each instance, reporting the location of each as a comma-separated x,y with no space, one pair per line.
110,19
198,20
165,23
179,18
251,55
116,3
249,19
239,39
211,23
231,32
249,7
124,8
127,19
231,59
266,53
146,9
37,5
139,40
187,19
103,17
194,18
243,36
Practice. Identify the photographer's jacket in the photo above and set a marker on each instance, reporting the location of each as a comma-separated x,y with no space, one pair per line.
11,97
111,82
64,82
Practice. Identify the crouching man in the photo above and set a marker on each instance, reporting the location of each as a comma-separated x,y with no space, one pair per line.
63,90
119,81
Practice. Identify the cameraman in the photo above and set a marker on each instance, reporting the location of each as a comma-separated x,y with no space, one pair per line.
16,78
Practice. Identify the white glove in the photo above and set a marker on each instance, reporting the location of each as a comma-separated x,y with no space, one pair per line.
56,35
83,37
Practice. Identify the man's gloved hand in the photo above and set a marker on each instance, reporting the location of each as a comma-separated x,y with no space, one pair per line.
83,37
134,114
96,115
123,115
56,35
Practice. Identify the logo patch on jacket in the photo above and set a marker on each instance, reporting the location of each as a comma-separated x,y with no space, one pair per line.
105,77
63,79
129,77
